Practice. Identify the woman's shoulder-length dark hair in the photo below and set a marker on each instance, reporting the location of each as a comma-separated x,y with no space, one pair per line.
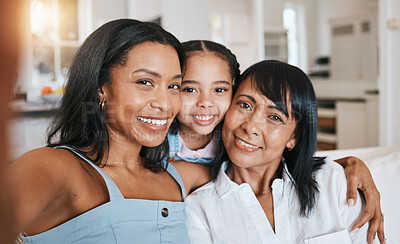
79,121
276,80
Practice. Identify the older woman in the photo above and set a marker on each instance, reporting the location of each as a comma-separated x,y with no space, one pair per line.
272,189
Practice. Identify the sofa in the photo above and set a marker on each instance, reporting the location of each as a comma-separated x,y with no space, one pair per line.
384,164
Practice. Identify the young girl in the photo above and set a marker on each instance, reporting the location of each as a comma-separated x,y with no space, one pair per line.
206,93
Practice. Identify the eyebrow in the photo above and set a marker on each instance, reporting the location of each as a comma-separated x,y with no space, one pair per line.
280,109
190,82
148,72
197,82
249,97
178,76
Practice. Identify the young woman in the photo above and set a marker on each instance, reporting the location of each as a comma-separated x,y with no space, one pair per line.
102,179
272,189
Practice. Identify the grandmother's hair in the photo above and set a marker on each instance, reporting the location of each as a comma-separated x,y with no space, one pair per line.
280,83
79,121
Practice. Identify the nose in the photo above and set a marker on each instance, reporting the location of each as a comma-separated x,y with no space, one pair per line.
252,124
160,100
205,100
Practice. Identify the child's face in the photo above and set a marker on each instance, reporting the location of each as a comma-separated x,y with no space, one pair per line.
206,93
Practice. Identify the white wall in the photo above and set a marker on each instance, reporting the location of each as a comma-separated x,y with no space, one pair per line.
189,20
144,10
273,12
244,23
389,78
328,9
186,19
104,11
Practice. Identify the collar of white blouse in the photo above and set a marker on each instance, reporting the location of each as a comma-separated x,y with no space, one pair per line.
224,185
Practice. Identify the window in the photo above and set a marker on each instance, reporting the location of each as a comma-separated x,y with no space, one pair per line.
294,23
57,31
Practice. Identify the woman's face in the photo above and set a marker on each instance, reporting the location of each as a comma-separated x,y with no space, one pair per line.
143,97
255,131
206,93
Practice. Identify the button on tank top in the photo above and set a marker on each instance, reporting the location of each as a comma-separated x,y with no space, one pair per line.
122,220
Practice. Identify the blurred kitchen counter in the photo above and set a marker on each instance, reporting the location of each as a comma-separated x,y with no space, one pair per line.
22,108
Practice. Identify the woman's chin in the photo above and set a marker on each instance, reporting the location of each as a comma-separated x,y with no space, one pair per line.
205,130
149,143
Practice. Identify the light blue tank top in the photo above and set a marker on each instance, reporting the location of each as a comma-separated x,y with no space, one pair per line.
122,220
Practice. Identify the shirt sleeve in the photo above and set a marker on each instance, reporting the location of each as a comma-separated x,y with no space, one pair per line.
196,222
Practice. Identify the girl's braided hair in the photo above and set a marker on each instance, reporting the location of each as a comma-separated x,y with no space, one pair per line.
219,50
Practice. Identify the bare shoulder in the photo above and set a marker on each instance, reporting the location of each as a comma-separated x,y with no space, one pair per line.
193,175
46,158
54,166
44,172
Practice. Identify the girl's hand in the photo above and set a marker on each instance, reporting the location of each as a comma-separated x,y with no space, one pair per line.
359,177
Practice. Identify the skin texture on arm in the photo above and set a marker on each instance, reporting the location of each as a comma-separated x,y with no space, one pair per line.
359,177
39,177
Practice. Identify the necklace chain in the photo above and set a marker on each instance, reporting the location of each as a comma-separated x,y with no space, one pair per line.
124,163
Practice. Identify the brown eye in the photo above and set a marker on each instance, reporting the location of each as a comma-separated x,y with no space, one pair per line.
144,82
174,87
244,105
275,118
189,90
220,90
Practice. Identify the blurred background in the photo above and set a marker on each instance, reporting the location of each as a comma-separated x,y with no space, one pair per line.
350,49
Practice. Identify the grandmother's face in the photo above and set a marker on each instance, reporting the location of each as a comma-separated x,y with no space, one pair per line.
255,131
143,97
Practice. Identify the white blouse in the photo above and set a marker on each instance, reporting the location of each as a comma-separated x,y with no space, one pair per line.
225,212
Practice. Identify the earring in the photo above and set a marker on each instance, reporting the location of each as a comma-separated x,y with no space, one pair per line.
101,104
290,148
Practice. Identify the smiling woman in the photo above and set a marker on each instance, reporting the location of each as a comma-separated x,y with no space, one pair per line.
143,97
285,194
104,177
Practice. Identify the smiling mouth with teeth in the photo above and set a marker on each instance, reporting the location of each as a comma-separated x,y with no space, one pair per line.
156,122
246,144
203,117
